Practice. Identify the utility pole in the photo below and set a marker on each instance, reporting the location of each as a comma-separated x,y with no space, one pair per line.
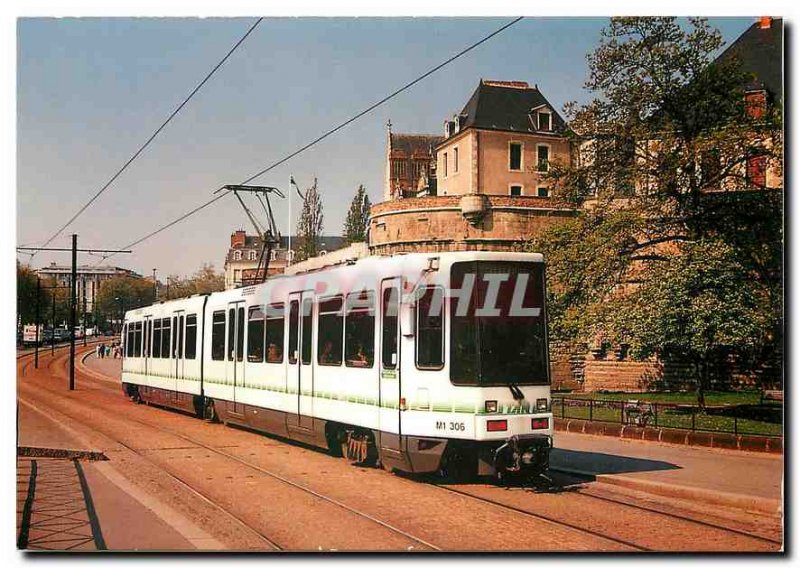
53,328
73,303
155,287
84,313
36,347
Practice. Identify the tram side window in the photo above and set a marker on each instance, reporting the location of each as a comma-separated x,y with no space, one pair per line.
231,332
191,336
176,337
218,336
124,339
157,338
430,329
180,336
294,315
359,330
166,338
129,340
305,356
274,330
137,339
389,310
148,331
240,335
255,334
329,332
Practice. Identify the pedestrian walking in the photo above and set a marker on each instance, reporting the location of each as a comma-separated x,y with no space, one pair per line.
102,350
97,351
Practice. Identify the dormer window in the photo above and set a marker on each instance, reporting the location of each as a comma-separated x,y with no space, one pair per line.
544,121
237,255
448,128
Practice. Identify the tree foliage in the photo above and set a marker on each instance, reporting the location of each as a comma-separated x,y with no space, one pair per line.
119,294
357,222
674,250
204,281
309,226
26,295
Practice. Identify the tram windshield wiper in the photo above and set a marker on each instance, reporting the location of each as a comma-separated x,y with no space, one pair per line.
516,392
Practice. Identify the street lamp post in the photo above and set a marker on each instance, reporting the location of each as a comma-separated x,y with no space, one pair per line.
155,286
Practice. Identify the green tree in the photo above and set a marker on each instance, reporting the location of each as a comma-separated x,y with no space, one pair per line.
357,222
204,281
663,149
120,294
309,226
26,295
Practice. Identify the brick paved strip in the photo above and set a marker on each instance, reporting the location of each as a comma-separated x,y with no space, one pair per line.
36,452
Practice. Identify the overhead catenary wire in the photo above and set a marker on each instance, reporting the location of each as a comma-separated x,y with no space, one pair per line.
219,194
153,136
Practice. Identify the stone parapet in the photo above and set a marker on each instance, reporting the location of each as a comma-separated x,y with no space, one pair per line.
461,222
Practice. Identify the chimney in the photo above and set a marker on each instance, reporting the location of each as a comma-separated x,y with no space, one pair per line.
237,239
765,22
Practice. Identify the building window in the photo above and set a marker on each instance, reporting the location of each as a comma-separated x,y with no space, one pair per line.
360,330
543,158
755,104
756,170
515,190
444,165
543,192
252,255
544,121
455,160
237,255
515,156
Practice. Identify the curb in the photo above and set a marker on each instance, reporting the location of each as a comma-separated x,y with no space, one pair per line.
728,441
697,494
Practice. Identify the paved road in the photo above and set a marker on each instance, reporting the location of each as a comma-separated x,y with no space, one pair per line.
249,491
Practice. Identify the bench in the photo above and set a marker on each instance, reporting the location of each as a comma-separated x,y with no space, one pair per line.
776,395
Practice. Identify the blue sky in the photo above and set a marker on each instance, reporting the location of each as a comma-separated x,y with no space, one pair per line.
90,91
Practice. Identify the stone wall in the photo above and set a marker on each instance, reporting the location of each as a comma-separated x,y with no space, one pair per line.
440,223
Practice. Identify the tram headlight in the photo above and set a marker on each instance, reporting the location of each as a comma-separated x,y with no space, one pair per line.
491,406
541,404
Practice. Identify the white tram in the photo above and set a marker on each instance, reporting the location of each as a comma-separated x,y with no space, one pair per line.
423,362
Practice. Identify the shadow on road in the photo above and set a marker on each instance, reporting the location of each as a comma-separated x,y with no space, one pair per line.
599,463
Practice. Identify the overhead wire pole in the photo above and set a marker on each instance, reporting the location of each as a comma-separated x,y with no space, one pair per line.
152,137
73,300
36,346
219,195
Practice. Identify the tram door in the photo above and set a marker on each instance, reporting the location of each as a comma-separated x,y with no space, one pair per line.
300,371
389,381
234,364
177,347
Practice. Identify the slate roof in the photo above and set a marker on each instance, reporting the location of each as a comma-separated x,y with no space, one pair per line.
506,105
760,52
420,145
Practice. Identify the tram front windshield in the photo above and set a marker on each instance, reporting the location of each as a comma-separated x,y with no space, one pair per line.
497,324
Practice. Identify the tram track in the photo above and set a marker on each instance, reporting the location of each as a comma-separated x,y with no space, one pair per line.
418,543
